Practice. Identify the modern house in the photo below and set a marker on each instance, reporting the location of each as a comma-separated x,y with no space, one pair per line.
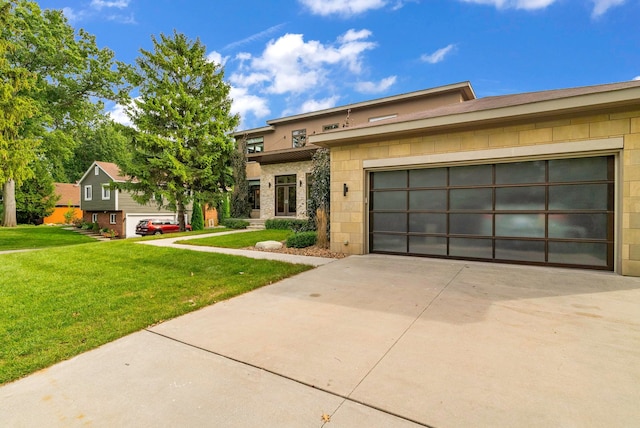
114,209
547,178
68,199
279,154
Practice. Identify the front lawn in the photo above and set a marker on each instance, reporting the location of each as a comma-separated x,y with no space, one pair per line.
240,240
60,302
30,237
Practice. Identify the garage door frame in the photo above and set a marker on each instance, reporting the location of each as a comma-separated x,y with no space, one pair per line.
601,147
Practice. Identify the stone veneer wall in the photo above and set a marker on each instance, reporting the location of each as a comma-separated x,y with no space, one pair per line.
348,216
268,194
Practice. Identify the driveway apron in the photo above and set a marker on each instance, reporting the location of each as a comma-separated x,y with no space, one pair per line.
368,341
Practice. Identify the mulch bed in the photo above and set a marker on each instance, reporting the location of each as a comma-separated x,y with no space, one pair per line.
309,251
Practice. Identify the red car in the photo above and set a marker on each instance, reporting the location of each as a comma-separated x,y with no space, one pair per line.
158,227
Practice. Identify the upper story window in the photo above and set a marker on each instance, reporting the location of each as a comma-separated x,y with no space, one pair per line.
377,118
106,192
96,170
255,145
299,137
326,128
88,192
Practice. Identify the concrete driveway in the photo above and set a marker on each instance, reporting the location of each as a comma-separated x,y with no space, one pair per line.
367,341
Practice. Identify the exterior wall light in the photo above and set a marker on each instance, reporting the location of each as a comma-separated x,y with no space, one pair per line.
345,189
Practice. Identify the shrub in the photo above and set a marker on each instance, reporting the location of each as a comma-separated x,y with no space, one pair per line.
297,225
302,240
95,227
197,220
235,223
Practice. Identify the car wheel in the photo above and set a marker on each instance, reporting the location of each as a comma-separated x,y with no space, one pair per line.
157,232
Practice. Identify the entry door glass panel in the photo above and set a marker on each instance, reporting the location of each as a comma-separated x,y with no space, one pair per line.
555,212
286,195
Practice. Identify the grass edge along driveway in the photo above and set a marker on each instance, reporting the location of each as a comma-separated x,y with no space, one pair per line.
57,303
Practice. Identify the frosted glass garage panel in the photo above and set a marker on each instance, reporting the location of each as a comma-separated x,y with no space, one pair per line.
584,169
578,253
520,198
428,245
389,200
474,248
520,225
427,223
520,172
471,175
522,251
428,199
389,222
581,226
471,224
390,243
389,179
578,197
428,177
471,199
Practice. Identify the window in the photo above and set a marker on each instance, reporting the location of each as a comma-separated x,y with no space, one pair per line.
106,192
299,137
326,128
112,218
255,145
96,170
378,118
88,192
94,217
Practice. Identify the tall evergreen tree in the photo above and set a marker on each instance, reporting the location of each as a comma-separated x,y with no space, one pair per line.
240,207
183,117
57,74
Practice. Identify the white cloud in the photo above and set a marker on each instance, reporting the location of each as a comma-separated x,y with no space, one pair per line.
438,55
341,7
292,65
515,4
217,58
600,7
315,105
245,103
71,14
636,78
376,87
119,4
254,37
119,115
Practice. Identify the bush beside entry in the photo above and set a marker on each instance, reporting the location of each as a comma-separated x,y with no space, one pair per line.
302,240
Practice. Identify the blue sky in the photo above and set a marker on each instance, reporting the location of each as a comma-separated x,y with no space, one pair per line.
292,56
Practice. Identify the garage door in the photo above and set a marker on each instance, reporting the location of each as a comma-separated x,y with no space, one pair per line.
551,212
132,220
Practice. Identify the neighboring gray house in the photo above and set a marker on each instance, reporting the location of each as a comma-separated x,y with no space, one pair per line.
115,209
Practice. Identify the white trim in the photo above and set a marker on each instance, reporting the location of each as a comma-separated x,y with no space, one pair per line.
106,192
113,218
94,218
96,170
88,192
591,146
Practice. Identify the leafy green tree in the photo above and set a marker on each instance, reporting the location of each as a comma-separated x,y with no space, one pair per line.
31,206
57,74
17,146
183,117
240,207
197,219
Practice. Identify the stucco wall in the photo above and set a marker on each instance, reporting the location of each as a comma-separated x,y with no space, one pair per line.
267,193
348,216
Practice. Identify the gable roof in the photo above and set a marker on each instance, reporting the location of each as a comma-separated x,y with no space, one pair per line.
69,194
493,109
111,169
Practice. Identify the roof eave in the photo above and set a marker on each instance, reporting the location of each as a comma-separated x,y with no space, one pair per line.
580,103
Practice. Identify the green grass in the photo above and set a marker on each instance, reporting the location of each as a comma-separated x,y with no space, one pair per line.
57,303
30,237
240,240
179,234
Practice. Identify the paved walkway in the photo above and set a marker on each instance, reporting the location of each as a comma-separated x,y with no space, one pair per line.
367,341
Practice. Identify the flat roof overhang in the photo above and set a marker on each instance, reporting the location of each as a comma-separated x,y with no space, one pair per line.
283,156
410,125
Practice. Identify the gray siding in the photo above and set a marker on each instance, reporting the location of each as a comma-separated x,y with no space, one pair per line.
96,203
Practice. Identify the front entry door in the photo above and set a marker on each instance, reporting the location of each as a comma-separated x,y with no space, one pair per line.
286,195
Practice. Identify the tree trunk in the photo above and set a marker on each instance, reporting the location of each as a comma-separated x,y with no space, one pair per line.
9,197
181,216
